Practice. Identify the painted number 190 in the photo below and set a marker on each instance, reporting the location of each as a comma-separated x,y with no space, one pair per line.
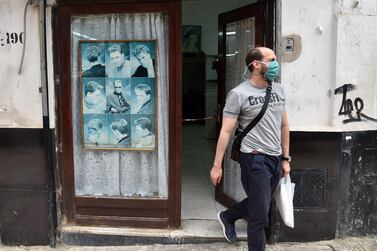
11,38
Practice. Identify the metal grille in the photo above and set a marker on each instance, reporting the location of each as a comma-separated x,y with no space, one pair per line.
310,190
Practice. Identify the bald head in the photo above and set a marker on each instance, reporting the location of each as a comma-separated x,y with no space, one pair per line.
259,54
264,49
268,54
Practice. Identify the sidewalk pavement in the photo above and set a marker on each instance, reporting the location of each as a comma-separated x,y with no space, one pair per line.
348,244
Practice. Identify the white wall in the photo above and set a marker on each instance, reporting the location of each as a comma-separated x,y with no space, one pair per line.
205,13
338,47
356,61
50,66
308,80
20,99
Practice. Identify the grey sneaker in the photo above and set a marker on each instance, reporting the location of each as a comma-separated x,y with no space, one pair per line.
229,230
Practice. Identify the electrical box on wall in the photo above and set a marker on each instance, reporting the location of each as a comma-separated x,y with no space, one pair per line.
290,47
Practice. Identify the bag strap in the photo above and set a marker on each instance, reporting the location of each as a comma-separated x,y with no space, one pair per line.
260,114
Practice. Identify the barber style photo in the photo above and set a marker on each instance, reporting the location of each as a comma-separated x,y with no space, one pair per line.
142,131
93,60
118,60
118,95
95,132
119,130
93,96
142,98
143,59
118,88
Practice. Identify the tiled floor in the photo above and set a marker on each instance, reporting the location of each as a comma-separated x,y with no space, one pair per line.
199,208
197,191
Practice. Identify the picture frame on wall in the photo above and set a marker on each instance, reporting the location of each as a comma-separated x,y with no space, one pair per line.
118,94
191,38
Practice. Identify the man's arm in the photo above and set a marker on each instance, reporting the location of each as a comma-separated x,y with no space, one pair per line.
125,108
225,133
285,143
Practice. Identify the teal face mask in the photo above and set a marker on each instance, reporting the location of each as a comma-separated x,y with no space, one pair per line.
272,71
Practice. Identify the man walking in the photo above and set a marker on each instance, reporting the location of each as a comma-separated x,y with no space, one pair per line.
264,150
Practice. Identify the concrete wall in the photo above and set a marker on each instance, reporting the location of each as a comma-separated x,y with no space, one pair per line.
26,182
20,98
356,63
26,206
308,80
337,48
357,210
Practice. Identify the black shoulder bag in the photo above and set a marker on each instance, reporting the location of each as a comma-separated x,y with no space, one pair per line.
236,146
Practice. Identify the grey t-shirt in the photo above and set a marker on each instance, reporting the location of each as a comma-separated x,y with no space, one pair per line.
244,103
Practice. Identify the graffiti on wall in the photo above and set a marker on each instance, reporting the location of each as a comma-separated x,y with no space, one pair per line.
353,110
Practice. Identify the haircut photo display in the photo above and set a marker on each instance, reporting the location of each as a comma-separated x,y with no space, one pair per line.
118,95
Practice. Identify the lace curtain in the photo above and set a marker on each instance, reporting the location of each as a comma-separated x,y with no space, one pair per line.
122,173
240,38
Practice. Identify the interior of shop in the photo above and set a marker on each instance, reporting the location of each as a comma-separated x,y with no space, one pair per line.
199,100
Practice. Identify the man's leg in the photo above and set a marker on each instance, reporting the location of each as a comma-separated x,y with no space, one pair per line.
276,174
274,182
239,210
260,176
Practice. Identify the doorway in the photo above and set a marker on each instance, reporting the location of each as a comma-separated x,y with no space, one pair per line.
225,42
203,94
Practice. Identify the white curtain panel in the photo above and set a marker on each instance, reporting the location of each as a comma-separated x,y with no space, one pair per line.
240,38
122,173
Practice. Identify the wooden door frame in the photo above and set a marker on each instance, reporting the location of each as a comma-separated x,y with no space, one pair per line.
82,210
263,37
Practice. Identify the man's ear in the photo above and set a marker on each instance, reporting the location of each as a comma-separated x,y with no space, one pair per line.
251,65
258,65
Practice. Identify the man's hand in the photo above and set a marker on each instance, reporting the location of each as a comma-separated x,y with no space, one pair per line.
286,168
226,131
216,174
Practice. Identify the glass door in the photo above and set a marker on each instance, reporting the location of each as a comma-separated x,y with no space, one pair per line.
239,31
